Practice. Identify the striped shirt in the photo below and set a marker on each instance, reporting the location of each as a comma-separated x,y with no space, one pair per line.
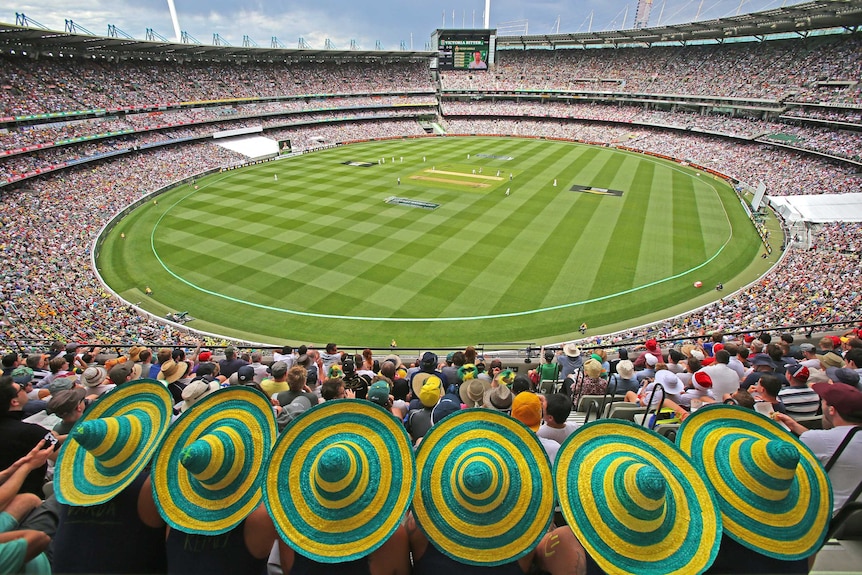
800,401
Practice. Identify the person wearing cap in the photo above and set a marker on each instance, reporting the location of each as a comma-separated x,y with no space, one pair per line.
842,411
647,366
355,379
762,364
244,376
799,399
843,375
549,370
810,359
122,372
651,347
555,424
278,382
419,421
296,387
68,405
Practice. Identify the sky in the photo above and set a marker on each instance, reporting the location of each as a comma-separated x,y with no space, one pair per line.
391,23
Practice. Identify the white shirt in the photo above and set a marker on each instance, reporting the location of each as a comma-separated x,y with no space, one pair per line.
844,475
558,434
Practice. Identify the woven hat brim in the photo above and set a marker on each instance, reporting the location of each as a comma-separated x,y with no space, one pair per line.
788,529
357,520
80,479
183,501
685,539
505,521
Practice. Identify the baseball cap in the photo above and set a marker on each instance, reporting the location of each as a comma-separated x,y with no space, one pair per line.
843,375
65,401
809,347
846,399
278,369
798,371
378,393
243,376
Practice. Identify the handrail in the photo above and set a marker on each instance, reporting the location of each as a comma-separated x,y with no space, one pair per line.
656,388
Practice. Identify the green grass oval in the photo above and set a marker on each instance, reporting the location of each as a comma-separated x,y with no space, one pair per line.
320,255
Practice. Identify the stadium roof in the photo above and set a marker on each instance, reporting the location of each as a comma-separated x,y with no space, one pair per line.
800,19
42,41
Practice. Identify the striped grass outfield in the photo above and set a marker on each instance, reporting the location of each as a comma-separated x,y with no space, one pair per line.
319,255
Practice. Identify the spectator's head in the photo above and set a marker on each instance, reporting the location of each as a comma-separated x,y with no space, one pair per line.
13,397
797,375
520,383
721,356
331,348
559,407
853,358
278,370
527,408
771,385
332,388
58,364
230,353
295,377
842,404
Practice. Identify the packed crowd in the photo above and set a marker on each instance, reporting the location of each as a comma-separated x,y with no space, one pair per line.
18,166
834,142
52,85
17,139
784,172
327,461
772,70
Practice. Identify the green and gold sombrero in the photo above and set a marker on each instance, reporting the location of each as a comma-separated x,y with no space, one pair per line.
112,442
635,501
485,492
207,473
774,495
340,480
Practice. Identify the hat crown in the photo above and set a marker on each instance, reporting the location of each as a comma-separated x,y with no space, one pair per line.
644,488
478,477
334,463
104,438
215,458
777,460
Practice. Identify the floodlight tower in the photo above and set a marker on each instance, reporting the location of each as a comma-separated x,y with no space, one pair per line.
175,20
487,20
642,14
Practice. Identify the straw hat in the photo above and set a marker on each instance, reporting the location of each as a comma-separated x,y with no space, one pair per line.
571,350
207,473
340,480
774,495
484,489
172,371
472,391
635,501
112,442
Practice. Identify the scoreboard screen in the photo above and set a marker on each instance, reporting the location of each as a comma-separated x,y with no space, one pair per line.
464,49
